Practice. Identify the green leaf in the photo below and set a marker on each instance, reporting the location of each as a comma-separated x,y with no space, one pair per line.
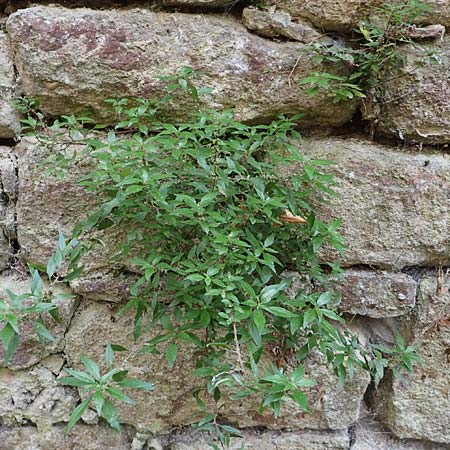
119,395
111,416
300,398
99,401
42,332
171,354
136,384
109,354
77,413
91,366
279,311
259,319
82,376
10,341
71,381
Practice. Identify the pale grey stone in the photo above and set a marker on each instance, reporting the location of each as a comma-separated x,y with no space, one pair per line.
377,294
31,350
370,435
74,59
267,440
273,24
395,205
418,406
415,105
34,395
8,197
9,122
345,15
82,437
332,407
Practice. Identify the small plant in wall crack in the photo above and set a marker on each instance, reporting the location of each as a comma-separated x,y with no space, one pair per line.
33,306
374,52
215,219
102,390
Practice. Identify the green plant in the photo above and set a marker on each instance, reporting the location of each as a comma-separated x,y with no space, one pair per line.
374,52
216,221
102,389
399,358
34,305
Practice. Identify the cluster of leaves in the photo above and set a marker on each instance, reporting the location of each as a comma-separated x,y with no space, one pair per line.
102,389
375,52
217,223
33,306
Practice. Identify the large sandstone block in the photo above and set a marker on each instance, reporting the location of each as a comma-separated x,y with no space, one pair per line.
395,208
395,205
344,15
415,105
370,435
31,350
418,406
377,294
65,203
171,404
82,437
74,59
9,122
269,440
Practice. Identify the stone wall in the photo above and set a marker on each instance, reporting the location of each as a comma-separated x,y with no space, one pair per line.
394,198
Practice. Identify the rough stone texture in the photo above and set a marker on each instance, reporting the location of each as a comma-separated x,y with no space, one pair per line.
332,407
8,197
9,122
65,203
76,58
269,23
329,15
344,15
395,205
377,294
415,105
306,440
369,435
228,4
418,406
34,396
82,437
31,350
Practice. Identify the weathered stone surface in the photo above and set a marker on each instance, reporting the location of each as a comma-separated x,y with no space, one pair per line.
395,206
269,440
74,59
331,406
344,15
369,435
415,105
31,350
274,24
377,294
329,15
8,197
65,203
202,3
82,437
34,396
9,122
418,406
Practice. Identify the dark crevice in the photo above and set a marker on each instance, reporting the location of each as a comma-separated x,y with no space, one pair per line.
351,436
7,142
418,273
